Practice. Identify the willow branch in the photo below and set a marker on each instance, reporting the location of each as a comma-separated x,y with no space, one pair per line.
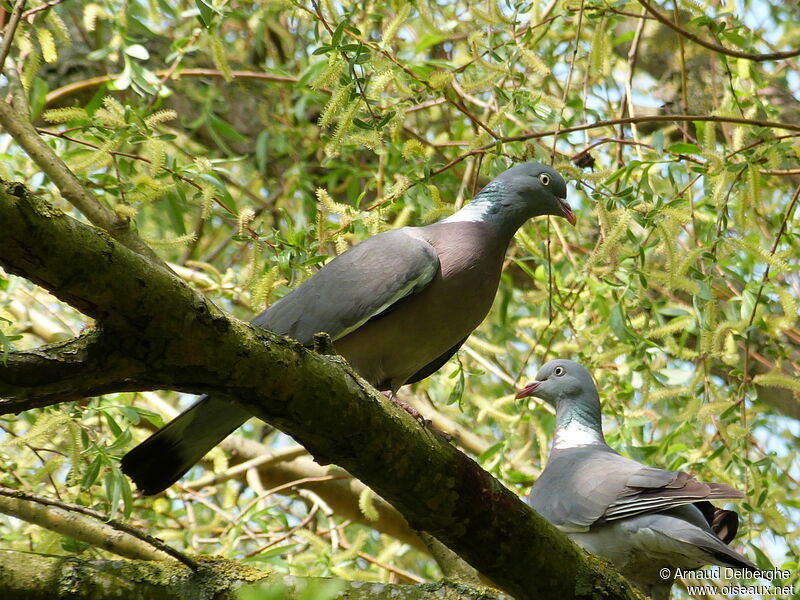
711,45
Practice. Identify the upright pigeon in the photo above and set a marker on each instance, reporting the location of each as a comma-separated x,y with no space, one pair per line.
640,518
397,307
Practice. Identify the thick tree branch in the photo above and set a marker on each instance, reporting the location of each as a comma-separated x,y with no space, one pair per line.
40,577
190,345
88,365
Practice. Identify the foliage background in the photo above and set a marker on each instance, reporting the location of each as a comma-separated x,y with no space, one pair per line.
250,141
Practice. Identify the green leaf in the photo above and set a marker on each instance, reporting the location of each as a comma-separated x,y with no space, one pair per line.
205,12
617,323
224,128
428,40
683,148
137,51
90,475
458,388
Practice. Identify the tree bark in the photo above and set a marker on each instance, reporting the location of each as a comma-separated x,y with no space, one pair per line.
26,576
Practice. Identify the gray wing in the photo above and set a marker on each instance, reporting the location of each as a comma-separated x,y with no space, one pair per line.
583,486
354,287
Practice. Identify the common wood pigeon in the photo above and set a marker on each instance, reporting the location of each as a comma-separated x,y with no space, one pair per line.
397,307
640,518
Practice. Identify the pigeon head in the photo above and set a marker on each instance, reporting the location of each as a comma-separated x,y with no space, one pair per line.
561,381
536,189
522,192
569,387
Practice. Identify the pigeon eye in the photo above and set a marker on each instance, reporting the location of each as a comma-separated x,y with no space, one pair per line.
544,178
558,371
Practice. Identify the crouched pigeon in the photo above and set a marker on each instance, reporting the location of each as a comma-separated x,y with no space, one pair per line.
646,521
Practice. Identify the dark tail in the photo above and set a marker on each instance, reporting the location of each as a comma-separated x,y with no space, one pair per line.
170,452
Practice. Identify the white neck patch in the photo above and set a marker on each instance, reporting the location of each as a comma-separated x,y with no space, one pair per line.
474,212
576,434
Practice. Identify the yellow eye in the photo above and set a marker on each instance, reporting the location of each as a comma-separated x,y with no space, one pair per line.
544,178
558,371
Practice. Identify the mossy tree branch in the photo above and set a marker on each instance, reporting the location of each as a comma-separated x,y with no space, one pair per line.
36,576
188,344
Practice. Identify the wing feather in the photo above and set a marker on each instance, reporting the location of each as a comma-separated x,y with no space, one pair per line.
354,287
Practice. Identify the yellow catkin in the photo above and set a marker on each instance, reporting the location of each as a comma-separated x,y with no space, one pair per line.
478,84
342,128
710,324
265,286
329,76
773,260
341,245
42,430
366,504
75,446
95,159
202,164
378,84
778,380
330,205
413,147
125,211
533,62
337,101
109,119
160,116
436,195
148,189
207,198
65,115
614,236
710,137
218,56
368,139
246,217
254,266
396,23
599,54
58,26
177,240
48,44
157,153
440,79
789,307
114,105
91,12
719,191
430,20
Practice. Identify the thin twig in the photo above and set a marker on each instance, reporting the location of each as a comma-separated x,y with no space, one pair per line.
10,30
28,15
